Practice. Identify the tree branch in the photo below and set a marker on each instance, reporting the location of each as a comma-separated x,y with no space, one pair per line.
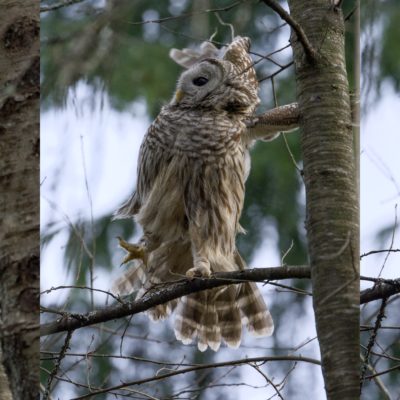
170,292
280,119
173,290
57,365
379,251
62,4
308,48
200,367
382,290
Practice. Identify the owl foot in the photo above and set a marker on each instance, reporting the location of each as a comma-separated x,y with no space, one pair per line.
201,271
135,251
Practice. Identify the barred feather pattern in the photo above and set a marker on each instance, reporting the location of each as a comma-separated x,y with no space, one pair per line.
189,196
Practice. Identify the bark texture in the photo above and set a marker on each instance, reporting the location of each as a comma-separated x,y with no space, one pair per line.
19,201
332,206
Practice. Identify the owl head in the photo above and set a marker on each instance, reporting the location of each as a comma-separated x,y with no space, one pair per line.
228,83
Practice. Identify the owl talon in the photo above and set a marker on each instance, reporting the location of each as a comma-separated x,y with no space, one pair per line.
198,272
135,251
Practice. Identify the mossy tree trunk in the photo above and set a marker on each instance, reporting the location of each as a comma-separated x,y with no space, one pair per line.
19,204
332,205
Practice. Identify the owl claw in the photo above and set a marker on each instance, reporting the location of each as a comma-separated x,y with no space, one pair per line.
198,272
135,251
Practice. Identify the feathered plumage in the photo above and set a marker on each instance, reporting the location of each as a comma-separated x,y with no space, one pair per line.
192,168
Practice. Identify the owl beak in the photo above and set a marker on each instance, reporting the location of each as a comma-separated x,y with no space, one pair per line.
179,95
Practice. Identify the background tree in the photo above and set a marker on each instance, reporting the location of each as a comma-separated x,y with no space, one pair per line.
331,190
19,207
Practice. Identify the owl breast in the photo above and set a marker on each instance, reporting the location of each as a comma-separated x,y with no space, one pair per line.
201,178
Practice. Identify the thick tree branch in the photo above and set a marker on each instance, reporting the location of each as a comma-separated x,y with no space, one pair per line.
280,119
285,118
174,290
169,292
308,48
382,290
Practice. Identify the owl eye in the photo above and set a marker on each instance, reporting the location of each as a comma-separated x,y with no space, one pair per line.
200,81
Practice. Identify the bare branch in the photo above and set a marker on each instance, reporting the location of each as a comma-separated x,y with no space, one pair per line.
282,68
173,290
377,380
191,14
201,367
379,251
386,371
382,290
78,287
308,49
170,292
270,381
57,365
372,339
62,4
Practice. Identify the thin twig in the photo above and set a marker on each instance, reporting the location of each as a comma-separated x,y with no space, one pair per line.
379,251
57,365
308,49
277,72
62,4
198,368
377,380
56,208
226,24
391,242
92,261
81,287
191,14
132,358
287,147
371,341
386,371
285,254
257,368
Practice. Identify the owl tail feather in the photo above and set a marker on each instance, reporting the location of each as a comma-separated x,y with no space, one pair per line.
131,280
210,316
255,313
218,314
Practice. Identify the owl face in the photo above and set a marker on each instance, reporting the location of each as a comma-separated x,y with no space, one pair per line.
228,84
197,85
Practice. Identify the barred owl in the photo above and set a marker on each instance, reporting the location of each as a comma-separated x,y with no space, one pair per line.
192,167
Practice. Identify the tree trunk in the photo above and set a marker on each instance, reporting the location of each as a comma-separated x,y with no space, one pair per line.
19,207
332,205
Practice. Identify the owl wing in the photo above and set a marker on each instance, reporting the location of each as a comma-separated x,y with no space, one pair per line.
238,54
188,57
150,162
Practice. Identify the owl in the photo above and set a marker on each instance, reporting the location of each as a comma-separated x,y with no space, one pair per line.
192,168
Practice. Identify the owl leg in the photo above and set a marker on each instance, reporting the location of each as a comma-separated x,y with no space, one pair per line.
135,251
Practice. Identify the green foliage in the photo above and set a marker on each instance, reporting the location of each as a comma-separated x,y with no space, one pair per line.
380,53
101,241
390,55
113,52
272,191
